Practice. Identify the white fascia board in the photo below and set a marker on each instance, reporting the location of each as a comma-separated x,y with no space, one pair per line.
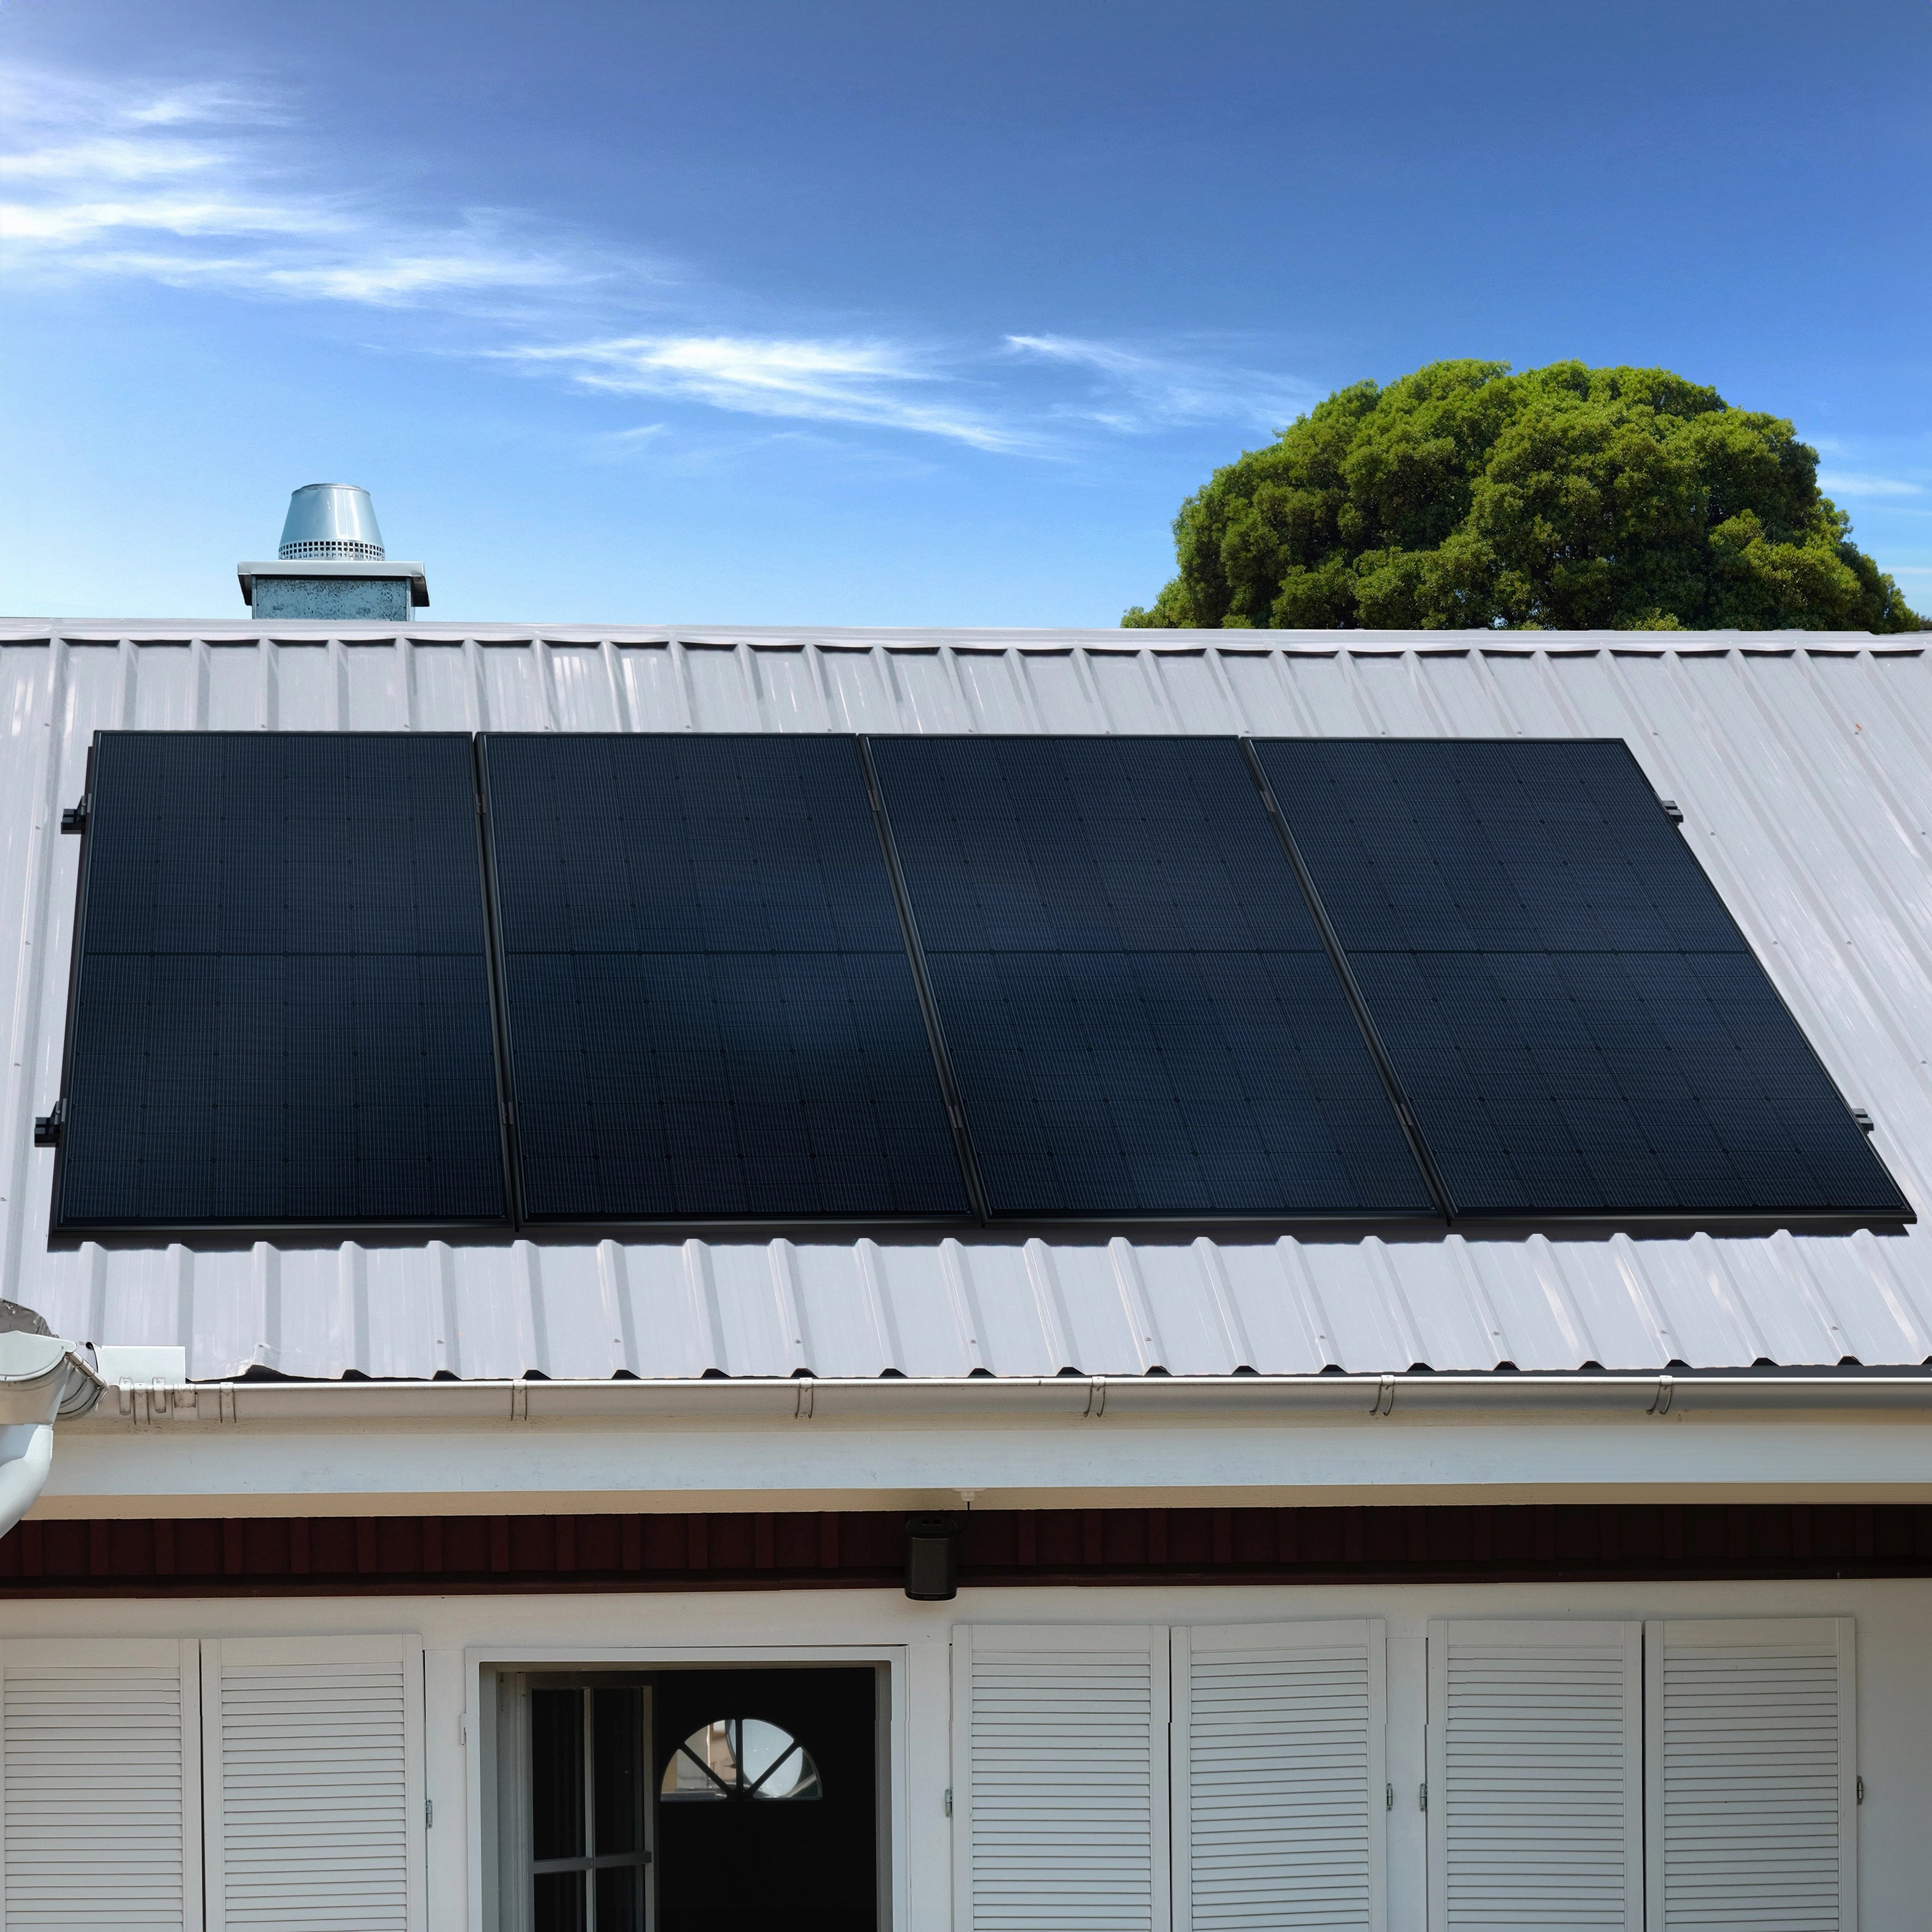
997,1401
458,1448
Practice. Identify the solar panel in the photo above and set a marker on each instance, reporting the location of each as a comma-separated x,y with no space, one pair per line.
281,1011
1137,1003
1572,1012
711,1013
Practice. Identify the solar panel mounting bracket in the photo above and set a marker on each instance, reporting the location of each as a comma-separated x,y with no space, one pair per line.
74,817
47,1126
1672,810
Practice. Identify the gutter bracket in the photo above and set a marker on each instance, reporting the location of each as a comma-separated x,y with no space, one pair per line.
1096,1396
1384,1402
807,1399
1660,1403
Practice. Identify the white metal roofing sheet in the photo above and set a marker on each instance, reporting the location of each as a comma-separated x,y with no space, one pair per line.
1803,764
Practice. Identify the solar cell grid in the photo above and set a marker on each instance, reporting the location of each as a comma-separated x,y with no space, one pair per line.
711,1012
282,1006
1573,1014
1136,1000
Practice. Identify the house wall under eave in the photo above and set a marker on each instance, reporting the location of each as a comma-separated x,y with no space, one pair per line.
464,1634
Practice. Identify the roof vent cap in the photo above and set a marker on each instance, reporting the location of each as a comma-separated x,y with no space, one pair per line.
332,519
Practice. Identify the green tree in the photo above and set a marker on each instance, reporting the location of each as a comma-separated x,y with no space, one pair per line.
1563,499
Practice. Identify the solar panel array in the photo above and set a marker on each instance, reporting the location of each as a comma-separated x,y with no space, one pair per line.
790,978
282,1001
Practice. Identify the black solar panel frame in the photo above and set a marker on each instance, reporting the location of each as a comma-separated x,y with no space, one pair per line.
64,1233
1664,1222
814,1226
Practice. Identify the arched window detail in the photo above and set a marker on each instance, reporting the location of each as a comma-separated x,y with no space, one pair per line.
740,1757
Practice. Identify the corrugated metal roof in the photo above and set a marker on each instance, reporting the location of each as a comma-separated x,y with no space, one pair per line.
1803,765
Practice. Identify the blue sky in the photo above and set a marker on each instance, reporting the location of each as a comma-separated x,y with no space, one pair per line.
893,313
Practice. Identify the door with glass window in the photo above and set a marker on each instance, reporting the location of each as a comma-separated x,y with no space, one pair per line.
589,1807
767,1791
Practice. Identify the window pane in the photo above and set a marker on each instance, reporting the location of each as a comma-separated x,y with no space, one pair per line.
739,1752
619,1751
716,1748
620,1900
556,1777
764,1745
796,1776
710,1749
559,1902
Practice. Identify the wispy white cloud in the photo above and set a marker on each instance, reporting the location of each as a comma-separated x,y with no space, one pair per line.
196,187
805,379
1133,388
1837,483
219,189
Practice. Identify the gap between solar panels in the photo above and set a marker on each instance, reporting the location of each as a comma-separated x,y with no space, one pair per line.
731,979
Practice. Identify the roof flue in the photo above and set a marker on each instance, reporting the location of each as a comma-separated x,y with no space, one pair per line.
332,519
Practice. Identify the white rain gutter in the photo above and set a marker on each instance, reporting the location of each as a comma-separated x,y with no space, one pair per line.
42,1377
1000,1399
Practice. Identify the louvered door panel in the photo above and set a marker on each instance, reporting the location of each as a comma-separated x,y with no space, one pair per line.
315,1802
1278,1772
1753,1775
1060,1795
1535,1771
100,1816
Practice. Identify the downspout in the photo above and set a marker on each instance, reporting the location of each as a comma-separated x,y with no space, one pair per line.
42,1378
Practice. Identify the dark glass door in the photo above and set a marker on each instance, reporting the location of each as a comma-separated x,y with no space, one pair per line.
767,1796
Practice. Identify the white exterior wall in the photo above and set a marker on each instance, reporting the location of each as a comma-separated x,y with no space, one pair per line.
462,1633
1323,1444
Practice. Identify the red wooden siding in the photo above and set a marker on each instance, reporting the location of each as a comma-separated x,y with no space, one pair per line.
334,1555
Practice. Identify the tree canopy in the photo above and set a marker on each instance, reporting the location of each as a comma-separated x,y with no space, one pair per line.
1563,498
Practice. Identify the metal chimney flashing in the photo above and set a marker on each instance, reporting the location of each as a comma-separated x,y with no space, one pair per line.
333,567
339,570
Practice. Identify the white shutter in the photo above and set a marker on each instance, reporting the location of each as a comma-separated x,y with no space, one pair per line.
1060,1810
99,1811
1753,1775
1535,1776
1278,1780
314,1784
